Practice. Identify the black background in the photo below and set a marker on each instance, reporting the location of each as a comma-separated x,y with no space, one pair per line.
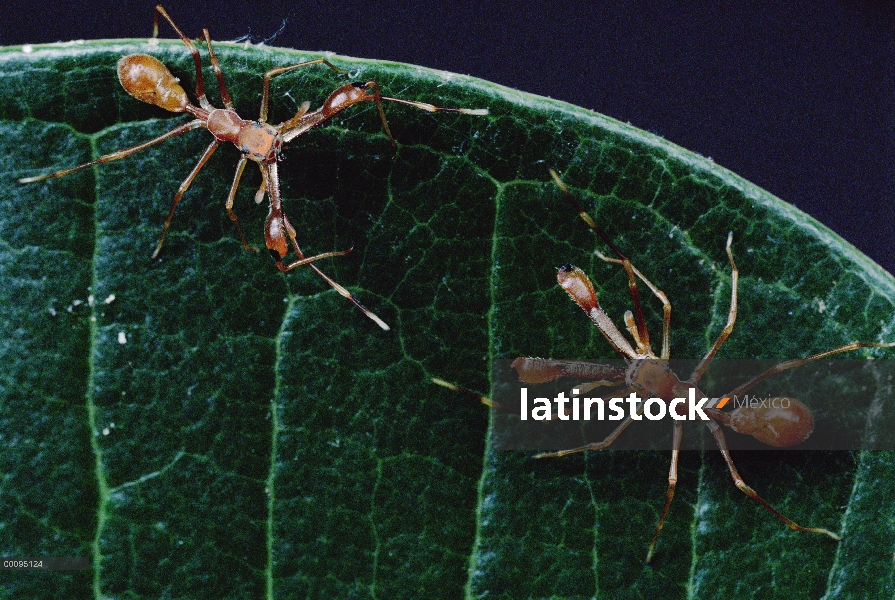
797,97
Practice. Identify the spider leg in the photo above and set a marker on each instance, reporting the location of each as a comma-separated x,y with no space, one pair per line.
792,364
607,441
225,95
183,188
731,316
200,84
229,205
672,483
486,401
741,485
307,260
265,87
181,129
378,98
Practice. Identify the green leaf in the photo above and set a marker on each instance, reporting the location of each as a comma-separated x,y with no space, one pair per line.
203,426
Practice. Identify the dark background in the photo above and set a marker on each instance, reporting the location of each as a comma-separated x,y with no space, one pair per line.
797,97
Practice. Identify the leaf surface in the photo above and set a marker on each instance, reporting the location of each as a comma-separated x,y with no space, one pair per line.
202,425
